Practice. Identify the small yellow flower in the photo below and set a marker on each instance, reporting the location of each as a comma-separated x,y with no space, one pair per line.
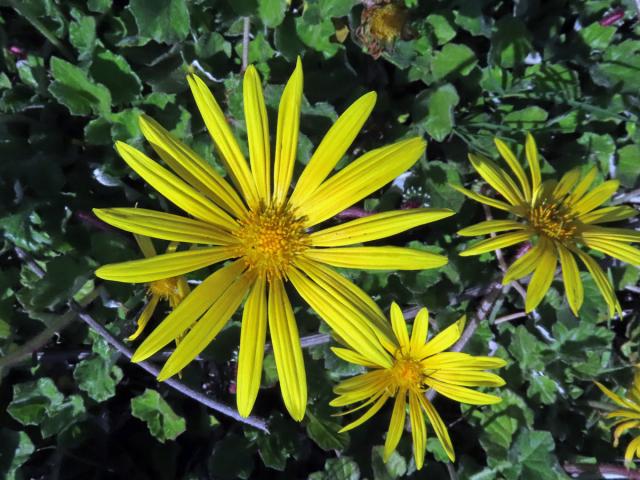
266,232
628,416
173,289
412,365
558,218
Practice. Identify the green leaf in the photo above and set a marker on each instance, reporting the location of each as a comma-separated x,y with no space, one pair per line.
272,12
99,6
443,27
324,433
440,104
113,71
453,59
619,67
316,31
98,377
15,450
279,444
532,453
629,165
161,420
232,458
32,401
510,42
528,118
526,349
394,468
336,8
342,468
438,178
82,35
165,21
596,36
63,416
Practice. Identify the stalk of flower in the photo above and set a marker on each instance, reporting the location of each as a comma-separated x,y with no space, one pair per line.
172,289
627,417
412,365
265,230
559,218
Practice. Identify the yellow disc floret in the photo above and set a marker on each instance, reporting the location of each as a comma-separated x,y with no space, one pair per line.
553,220
406,372
167,289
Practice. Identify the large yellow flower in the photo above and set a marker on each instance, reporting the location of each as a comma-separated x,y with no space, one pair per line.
267,233
558,218
410,366
628,416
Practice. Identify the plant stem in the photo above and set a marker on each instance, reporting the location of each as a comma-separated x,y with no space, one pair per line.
245,42
601,470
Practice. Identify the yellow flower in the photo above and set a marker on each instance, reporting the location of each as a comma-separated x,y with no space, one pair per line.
172,289
558,218
267,233
628,416
411,365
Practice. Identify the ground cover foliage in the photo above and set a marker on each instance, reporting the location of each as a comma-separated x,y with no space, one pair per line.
76,75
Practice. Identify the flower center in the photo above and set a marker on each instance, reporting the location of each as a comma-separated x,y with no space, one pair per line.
166,289
269,239
407,373
553,220
386,22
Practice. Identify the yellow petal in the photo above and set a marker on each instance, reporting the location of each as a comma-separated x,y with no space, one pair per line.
346,321
615,397
608,214
531,151
616,249
614,234
468,378
373,227
144,242
287,134
439,427
566,183
333,147
542,276
162,225
145,316
206,329
462,394
255,113
492,202
222,136
363,176
163,266
368,414
602,282
287,351
362,405
497,178
399,325
191,167
364,386
174,189
377,258
352,357
418,430
515,166
582,187
396,424
444,339
632,450
596,197
420,330
622,428
252,338
189,310
571,278
499,241
524,265
462,361
491,226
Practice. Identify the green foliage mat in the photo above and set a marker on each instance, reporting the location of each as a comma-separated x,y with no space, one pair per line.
75,76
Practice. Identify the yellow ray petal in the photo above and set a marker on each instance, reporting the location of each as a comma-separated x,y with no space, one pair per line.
363,176
443,339
468,378
515,166
352,357
380,225
420,330
602,282
608,214
189,310
439,427
616,249
614,396
191,167
287,351
163,225
566,183
615,234
206,329
396,424
332,148
582,187
571,278
499,241
163,266
145,316
497,178
632,450
223,138
368,414
623,414
524,265
492,202
542,276
462,361
596,197
399,325
418,430
462,394
361,406
255,113
342,317
252,338
491,226
144,243
622,428
360,387
531,151
287,135
174,189
377,258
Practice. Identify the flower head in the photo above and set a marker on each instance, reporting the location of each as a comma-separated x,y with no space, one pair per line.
559,219
627,417
412,365
265,230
